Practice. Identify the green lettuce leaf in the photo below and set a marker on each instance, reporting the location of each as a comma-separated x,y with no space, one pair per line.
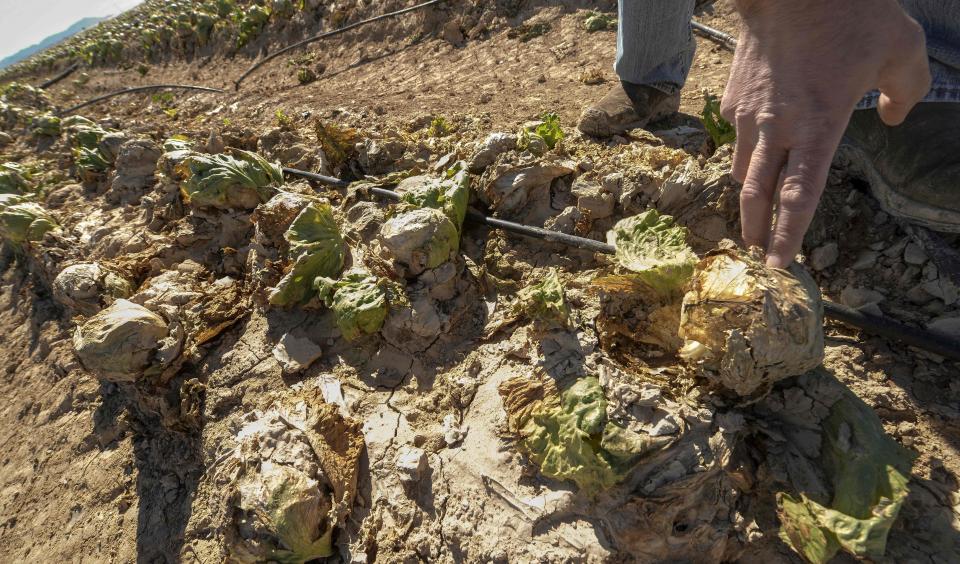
869,474
720,130
544,301
90,160
548,131
358,300
177,144
224,181
656,249
316,249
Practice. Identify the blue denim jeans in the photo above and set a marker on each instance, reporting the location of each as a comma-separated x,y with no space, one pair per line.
655,45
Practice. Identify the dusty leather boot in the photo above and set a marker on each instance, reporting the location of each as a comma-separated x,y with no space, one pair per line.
914,168
627,106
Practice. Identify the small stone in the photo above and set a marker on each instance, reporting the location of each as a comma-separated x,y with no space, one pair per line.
665,427
865,260
918,296
824,256
412,463
296,354
913,254
880,218
943,289
857,298
452,433
949,326
896,248
452,33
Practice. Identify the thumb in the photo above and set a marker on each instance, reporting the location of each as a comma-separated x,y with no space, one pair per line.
906,80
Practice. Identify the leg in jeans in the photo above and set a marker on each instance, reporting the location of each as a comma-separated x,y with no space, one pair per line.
655,45
654,50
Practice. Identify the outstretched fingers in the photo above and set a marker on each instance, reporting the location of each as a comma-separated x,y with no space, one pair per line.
803,182
758,193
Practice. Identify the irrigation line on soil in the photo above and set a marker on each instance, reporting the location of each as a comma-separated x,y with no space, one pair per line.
66,72
720,37
327,34
874,324
138,89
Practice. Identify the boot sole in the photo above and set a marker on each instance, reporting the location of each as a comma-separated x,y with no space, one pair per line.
895,203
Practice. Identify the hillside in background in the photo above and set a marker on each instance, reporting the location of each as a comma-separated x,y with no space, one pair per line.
76,28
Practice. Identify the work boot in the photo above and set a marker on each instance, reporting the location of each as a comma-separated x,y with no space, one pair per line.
627,106
914,168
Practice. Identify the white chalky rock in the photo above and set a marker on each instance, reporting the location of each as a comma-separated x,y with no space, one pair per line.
296,354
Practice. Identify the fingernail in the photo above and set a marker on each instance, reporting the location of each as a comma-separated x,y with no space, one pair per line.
774,261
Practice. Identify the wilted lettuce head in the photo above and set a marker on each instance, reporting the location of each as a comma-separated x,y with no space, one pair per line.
12,179
82,132
650,245
86,287
449,194
222,181
750,325
119,343
22,221
316,250
358,300
419,239
544,301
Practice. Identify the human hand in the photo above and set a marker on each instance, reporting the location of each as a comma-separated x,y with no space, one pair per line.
799,70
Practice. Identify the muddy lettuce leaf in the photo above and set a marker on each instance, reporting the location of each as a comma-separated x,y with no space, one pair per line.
419,239
567,434
47,125
90,160
82,132
316,249
544,301
358,300
177,144
650,245
12,179
224,181
449,194
22,221
289,504
869,474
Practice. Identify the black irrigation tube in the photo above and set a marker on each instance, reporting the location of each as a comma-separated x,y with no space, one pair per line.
66,72
720,37
873,324
138,89
327,34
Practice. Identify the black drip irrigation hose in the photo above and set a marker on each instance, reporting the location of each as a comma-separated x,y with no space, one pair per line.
936,343
720,37
331,33
66,72
138,89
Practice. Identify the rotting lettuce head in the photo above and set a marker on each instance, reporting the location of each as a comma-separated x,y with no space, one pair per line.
750,325
289,504
650,245
297,469
544,302
12,179
419,239
47,125
358,300
86,287
568,435
449,194
869,474
223,181
316,250
120,342
22,221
